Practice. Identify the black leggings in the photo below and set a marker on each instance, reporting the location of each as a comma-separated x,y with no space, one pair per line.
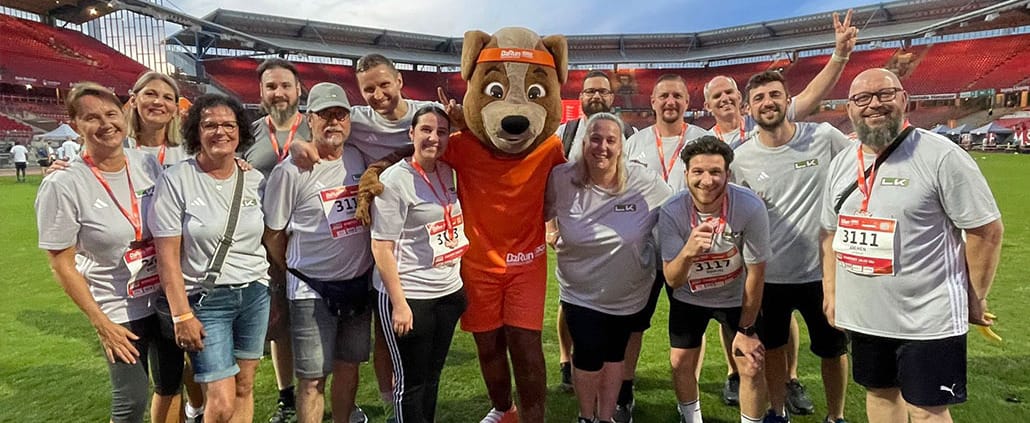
130,384
419,356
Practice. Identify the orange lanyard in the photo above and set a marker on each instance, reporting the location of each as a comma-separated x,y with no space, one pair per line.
444,200
743,133
160,153
666,168
695,216
281,154
134,215
865,185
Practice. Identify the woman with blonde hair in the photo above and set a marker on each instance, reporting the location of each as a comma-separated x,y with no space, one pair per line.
153,118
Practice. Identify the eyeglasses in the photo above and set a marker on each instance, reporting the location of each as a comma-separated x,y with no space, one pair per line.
589,92
884,95
330,114
213,126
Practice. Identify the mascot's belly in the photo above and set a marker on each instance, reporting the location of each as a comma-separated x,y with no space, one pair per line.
503,203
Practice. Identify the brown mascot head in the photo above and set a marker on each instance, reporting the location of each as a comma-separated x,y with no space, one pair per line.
513,101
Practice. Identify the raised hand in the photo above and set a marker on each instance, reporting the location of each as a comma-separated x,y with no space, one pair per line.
454,110
845,34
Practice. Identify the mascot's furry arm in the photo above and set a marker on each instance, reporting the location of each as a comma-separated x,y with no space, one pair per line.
369,186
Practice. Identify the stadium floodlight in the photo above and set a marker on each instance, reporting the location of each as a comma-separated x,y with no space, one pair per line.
992,16
93,11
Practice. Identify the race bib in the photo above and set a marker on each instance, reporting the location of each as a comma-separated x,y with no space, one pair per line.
865,245
713,270
448,246
142,264
339,205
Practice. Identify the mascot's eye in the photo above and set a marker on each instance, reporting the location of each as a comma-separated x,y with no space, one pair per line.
494,89
536,91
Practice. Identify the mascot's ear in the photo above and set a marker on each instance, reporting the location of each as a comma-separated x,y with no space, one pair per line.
559,48
470,48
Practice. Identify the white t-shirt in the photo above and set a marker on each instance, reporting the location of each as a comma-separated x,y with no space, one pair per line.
403,213
19,153
377,136
642,148
69,149
74,210
194,205
605,254
303,203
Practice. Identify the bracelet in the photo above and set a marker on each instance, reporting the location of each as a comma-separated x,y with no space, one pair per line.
839,59
182,317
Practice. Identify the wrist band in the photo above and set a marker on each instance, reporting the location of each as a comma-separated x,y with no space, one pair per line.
182,317
839,59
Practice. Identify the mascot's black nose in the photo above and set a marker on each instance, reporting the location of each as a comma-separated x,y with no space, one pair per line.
515,124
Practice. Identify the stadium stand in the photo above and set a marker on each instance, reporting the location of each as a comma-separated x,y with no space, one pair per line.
970,64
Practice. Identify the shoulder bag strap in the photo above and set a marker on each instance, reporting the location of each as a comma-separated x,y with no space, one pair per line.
215,268
876,165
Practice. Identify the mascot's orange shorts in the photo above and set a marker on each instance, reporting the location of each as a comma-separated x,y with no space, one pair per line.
496,300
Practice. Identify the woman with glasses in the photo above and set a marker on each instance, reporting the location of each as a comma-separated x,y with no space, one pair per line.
91,220
207,223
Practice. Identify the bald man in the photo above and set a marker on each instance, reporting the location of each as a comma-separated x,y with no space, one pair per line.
894,254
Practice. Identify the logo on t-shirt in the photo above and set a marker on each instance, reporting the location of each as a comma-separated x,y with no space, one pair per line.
249,202
145,193
625,208
894,182
806,163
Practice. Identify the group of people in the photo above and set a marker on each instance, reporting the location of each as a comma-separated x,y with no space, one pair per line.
206,234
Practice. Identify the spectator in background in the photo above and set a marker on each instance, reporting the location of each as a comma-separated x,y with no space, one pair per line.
20,157
69,149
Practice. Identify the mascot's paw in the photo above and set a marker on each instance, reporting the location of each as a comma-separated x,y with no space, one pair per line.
368,188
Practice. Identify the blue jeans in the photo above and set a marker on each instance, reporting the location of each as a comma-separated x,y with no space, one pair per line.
235,318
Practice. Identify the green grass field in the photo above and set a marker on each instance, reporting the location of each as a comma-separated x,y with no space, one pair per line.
52,370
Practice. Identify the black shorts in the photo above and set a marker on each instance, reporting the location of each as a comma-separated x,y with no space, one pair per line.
20,165
780,300
929,373
687,322
597,337
642,321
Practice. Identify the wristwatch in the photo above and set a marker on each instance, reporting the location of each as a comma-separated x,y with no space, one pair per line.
747,331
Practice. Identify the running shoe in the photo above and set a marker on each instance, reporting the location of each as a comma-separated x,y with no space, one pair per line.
498,416
624,413
358,415
731,390
830,420
566,377
283,414
771,417
797,399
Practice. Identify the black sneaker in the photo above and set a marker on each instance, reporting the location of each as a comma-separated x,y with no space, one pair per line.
283,414
731,390
797,399
771,417
566,377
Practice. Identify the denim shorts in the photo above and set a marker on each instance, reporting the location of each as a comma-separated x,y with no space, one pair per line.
235,318
320,338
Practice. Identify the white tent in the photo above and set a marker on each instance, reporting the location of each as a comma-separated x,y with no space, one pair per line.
63,132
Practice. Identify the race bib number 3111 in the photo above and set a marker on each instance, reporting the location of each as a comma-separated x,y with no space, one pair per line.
339,205
865,245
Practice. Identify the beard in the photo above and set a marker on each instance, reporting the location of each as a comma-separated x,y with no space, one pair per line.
281,117
593,107
878,138
774,122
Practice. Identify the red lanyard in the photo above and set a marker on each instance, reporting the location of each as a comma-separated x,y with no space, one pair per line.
134,216
160,153
865,185
743,133
445,200
666,168
695,216
281,154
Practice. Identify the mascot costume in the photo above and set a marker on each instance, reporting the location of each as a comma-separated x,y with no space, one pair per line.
503,158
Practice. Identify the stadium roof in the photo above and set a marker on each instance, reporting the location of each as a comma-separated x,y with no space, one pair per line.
74,11
886,21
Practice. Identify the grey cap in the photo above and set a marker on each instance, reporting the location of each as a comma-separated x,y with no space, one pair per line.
325,95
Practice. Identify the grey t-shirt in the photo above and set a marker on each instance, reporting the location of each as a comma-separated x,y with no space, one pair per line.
261,155
74,210
933,189
642,148
746,231
316,209
606,251
403,214
790,178
377,136
192,204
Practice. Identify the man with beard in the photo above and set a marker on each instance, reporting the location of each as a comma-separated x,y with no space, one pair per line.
785,163
907,282
312,234
284,124
596,97
714,239
658,146
723,99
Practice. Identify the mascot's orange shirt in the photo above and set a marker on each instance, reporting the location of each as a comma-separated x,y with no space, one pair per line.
502,200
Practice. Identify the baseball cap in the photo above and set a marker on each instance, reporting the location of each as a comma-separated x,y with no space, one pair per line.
325,95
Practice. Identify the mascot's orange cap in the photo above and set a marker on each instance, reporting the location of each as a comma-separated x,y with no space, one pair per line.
497,54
